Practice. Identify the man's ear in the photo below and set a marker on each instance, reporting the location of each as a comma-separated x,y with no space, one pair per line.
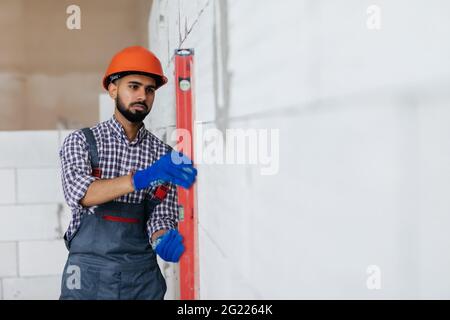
112,89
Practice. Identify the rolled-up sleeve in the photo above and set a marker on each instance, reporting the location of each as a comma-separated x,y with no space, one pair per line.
165,215
76,169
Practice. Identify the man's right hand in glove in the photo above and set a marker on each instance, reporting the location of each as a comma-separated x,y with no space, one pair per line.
172,167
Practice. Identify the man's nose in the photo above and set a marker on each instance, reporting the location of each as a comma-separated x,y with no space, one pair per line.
140,94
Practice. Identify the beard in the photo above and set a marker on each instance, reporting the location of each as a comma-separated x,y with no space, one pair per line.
136,116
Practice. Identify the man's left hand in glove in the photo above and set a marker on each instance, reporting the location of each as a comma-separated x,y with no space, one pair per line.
169,246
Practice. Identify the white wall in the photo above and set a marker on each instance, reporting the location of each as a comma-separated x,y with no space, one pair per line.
363,119
33,216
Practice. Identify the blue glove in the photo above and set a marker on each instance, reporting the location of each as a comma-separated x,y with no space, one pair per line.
172,167
170,247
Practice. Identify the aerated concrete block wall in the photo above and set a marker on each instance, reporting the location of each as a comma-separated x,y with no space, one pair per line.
33,215
359,206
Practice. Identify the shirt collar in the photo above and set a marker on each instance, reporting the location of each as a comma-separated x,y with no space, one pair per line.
119,131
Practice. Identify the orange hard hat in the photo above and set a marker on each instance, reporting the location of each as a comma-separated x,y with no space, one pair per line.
134,60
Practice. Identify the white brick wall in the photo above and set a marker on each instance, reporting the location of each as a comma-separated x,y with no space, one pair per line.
8,254
29,222
41,258
7,186
106,109
33,216
39,185
29,149
33,288
363,118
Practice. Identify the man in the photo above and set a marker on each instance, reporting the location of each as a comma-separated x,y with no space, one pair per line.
120,182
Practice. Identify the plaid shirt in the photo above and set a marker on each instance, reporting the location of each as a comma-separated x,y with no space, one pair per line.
117,156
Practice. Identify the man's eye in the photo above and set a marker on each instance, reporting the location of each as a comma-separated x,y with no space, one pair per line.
133,86
150,90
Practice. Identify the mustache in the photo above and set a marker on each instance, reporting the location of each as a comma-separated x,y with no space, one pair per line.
140,103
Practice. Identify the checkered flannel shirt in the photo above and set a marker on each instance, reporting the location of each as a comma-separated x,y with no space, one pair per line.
117,156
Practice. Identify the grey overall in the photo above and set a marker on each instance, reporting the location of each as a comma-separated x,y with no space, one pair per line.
110,256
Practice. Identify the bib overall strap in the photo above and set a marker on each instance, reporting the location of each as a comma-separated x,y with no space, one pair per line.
93,152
